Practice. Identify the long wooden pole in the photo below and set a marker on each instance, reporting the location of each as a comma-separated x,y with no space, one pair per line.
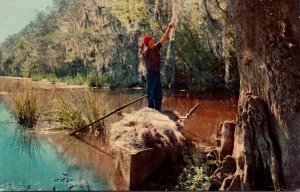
107,115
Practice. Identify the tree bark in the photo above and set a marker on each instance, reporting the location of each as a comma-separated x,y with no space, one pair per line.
268,39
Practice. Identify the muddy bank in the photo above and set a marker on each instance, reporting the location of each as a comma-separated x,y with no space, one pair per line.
9,83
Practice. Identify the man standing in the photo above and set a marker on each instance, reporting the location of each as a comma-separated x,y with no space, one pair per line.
152,61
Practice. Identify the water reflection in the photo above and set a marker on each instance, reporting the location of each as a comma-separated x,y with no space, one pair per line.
26,143
90,152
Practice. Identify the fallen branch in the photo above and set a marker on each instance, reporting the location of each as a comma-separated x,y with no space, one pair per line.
189,114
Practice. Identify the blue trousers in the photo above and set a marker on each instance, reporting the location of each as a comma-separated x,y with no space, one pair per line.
154,90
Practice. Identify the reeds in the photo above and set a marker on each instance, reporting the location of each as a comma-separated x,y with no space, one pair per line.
62,108
77,108
26,107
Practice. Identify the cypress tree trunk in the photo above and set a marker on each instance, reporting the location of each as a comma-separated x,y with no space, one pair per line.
267,133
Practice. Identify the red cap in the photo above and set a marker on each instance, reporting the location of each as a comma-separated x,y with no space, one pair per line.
147,39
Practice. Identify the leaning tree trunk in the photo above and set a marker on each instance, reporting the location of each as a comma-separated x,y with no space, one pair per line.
267,133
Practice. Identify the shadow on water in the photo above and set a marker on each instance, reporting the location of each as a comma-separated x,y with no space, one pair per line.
93,145
90,152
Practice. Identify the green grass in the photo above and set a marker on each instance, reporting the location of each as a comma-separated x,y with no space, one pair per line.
75,80
38,76
49,76
95,80
121,80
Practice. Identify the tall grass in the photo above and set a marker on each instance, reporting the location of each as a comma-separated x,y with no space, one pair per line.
57,108
26,107
77,108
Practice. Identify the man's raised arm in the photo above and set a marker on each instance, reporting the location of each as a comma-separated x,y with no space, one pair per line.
167,33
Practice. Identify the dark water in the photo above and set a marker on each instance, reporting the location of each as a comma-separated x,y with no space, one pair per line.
202,127
213,109
29,162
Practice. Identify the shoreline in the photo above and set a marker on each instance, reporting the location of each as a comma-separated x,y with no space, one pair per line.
43,83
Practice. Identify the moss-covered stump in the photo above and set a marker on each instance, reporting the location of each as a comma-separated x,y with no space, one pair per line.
141,142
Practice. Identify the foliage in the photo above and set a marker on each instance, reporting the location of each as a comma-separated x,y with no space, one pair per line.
123,80
38,76
200,64
131,13
95,80
192,179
